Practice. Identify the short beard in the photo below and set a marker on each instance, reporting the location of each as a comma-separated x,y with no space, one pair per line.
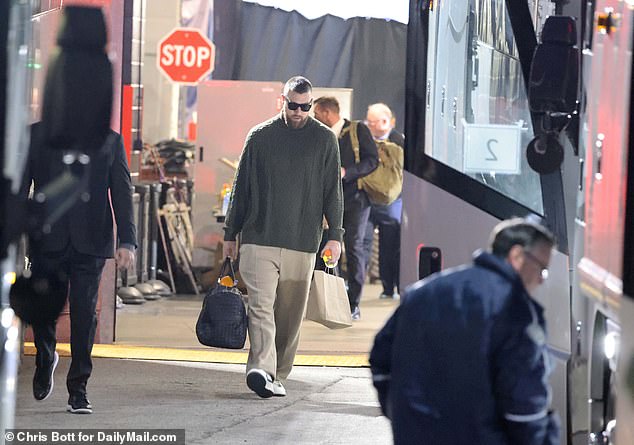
295,125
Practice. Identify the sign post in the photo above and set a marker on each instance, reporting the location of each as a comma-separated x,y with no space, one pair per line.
186,56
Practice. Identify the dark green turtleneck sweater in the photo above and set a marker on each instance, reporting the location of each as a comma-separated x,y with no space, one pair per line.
288,179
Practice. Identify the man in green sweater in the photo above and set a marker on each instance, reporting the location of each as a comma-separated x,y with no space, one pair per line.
288,180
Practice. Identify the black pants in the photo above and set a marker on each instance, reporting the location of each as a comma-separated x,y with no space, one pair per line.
82,273
355,220
388,219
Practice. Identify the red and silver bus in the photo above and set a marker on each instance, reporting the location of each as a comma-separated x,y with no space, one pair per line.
507,116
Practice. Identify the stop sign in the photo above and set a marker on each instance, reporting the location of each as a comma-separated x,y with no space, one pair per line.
185,55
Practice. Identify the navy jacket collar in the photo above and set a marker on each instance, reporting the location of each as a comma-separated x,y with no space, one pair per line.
487,260
500,265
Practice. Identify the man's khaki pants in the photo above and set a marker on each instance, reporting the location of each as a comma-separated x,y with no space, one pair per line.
277,282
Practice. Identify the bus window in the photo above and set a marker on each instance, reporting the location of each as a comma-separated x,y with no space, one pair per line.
478,119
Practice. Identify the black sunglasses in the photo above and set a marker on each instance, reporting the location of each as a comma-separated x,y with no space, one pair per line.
294,105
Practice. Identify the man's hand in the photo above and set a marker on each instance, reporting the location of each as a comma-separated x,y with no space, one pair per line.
335,250
124,258
229,249
343,172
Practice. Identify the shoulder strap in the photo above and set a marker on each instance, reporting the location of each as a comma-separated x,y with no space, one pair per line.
354,139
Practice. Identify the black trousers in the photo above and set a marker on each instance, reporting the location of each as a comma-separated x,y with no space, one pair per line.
355,220
82,273
388,219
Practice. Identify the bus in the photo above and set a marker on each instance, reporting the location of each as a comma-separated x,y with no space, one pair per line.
15,93
518,108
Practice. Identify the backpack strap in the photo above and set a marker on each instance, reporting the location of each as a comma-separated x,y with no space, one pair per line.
354,140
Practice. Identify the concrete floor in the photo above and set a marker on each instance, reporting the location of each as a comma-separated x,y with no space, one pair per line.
170,322
213,405
210,401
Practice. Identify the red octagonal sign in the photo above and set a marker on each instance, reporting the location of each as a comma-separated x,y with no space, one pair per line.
186,56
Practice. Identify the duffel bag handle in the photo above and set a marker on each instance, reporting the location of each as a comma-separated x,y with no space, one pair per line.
227,269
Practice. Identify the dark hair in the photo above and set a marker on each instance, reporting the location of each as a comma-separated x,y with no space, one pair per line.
329,102
298,84
518,231
77,106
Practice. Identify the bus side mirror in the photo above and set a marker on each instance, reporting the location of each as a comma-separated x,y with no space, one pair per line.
552,91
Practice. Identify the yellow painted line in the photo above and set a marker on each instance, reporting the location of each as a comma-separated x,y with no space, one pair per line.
592,292
203,356
614,301
608,299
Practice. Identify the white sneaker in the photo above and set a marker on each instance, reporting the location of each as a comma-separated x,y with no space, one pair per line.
261,383
278,389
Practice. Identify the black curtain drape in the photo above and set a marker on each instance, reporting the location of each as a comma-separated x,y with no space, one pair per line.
256,42
416,85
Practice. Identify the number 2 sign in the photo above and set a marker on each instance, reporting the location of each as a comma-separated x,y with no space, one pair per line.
492,148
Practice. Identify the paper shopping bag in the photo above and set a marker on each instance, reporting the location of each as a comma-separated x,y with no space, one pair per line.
328,301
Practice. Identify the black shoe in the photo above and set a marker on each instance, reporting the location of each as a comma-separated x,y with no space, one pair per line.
356,313
43,380
79,404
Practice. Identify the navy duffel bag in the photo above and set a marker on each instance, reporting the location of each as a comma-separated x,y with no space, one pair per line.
222,322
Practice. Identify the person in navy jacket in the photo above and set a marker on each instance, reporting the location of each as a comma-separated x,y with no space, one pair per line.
356,208
463,359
